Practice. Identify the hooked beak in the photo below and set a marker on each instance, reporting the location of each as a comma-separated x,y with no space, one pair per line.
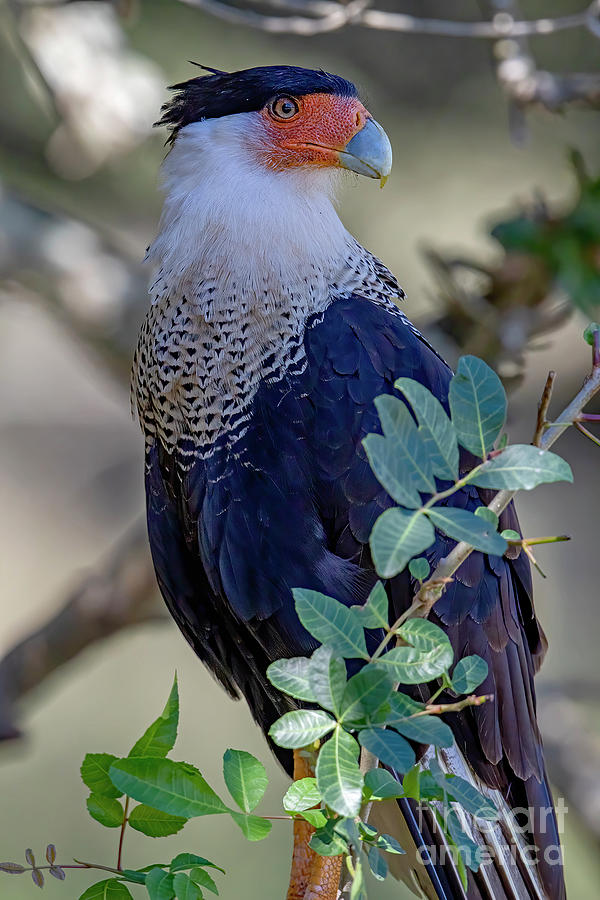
368,153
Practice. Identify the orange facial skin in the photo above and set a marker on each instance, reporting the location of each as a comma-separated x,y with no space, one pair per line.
323,125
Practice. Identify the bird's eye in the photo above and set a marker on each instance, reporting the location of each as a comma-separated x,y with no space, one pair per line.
284,108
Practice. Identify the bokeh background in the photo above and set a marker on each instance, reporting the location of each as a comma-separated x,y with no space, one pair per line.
81,85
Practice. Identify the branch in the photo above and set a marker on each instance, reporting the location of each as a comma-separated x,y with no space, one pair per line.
123,594
432,589
331,16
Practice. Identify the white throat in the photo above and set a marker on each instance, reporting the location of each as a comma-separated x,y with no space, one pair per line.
250,231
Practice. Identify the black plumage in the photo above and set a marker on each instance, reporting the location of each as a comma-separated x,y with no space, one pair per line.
227,93
293,507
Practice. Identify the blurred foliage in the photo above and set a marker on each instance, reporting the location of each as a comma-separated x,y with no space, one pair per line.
550,266
567,244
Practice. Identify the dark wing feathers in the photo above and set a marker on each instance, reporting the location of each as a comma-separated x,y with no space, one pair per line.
294,508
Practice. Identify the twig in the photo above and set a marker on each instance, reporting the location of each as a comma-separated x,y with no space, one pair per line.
588,434
122,834
123,594
338,16
543,408
438,709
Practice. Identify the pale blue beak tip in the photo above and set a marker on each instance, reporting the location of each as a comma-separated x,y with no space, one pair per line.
369,152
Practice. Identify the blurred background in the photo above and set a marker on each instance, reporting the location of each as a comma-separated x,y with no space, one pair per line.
483,131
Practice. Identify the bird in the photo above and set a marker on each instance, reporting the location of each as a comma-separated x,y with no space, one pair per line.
269,334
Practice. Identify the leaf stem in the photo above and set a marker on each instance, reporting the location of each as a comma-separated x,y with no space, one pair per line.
122,834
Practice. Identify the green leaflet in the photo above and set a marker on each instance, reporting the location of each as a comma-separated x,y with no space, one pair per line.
159,738
396,537
435,428
339,778
330,623
477,404
300,728
245,777
172,787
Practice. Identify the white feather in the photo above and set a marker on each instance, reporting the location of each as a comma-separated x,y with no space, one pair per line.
229,214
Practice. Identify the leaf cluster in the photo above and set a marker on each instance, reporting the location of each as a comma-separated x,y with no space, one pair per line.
416,460
366,710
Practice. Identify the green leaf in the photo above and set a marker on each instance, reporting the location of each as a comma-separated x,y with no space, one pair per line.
419,568
326,842
477,404
314,817
426,730
245,777
302,794
408,665
521,467
588,334
203,879
327,678
382,786
399,428
367,832
358,890
159,885
155,823
300,728
489,515
291,676
469,850
94,774
463,525
364,694
111,889
424,635
402,706
396,537
468,674
330,623
510,534
377,864
412,783
172,787
105,810
389,469
254,828
389,844
388,747
374,613
429,656
339,778
159,738
468,796
435,428
185,888
347,828
137,876
189,860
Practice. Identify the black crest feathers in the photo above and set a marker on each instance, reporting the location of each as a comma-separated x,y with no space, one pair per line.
226,93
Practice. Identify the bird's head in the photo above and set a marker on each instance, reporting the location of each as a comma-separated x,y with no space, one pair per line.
282,119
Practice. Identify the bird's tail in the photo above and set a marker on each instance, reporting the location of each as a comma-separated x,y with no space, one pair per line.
517,861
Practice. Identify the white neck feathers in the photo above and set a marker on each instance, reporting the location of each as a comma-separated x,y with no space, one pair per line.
230,219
